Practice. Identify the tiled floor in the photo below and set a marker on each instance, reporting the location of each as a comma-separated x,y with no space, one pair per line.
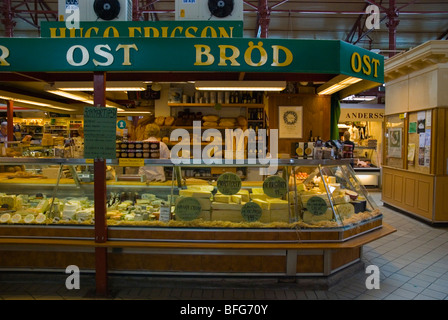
413,264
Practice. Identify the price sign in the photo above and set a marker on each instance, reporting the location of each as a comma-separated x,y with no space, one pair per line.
275,187
251,212
316,205
165,213
100,132
228,183
188,209
125,162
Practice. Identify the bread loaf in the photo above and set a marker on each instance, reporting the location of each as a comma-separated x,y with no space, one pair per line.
210,118
160,120
169,121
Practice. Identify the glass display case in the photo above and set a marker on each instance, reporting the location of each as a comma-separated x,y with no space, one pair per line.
303,195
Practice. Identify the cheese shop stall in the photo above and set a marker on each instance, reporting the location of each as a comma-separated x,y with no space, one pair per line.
60,211
275,227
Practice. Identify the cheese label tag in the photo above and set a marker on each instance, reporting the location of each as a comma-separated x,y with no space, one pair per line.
316,205
229,183
275,187
124,162
188,209
251,211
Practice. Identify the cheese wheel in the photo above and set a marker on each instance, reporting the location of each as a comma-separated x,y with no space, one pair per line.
40,218
5,217
16,218
29,218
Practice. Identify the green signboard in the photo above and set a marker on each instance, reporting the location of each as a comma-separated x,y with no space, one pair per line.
251,211
190,55
188,209
228,183
144,29
275,187
316,205
100,132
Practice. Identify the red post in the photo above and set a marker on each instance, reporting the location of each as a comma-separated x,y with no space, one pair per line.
8,21
10,121
263,18
392,24
99,170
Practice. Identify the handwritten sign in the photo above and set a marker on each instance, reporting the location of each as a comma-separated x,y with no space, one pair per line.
228,183
187,209
251,211
100,132
275,187
316,205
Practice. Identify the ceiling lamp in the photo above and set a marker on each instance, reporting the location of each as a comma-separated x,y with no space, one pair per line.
33,101
156,86
81,96
110,86
336,84
241,85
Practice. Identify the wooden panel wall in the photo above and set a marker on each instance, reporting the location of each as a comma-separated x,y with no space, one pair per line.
316,116
409,191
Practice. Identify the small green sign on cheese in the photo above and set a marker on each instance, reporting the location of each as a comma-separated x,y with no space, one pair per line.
251,211
229,183
188,209
275,187
316,205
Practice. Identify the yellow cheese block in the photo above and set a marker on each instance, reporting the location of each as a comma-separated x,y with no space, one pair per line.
9,200
222,198
258,196
205,215
244,195
262,203
42,206
236,198
257,191
227,215
226,206
281,215
274,204
310,218
195,193
265,216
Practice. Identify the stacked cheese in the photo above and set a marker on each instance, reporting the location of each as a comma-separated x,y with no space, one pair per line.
227,207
